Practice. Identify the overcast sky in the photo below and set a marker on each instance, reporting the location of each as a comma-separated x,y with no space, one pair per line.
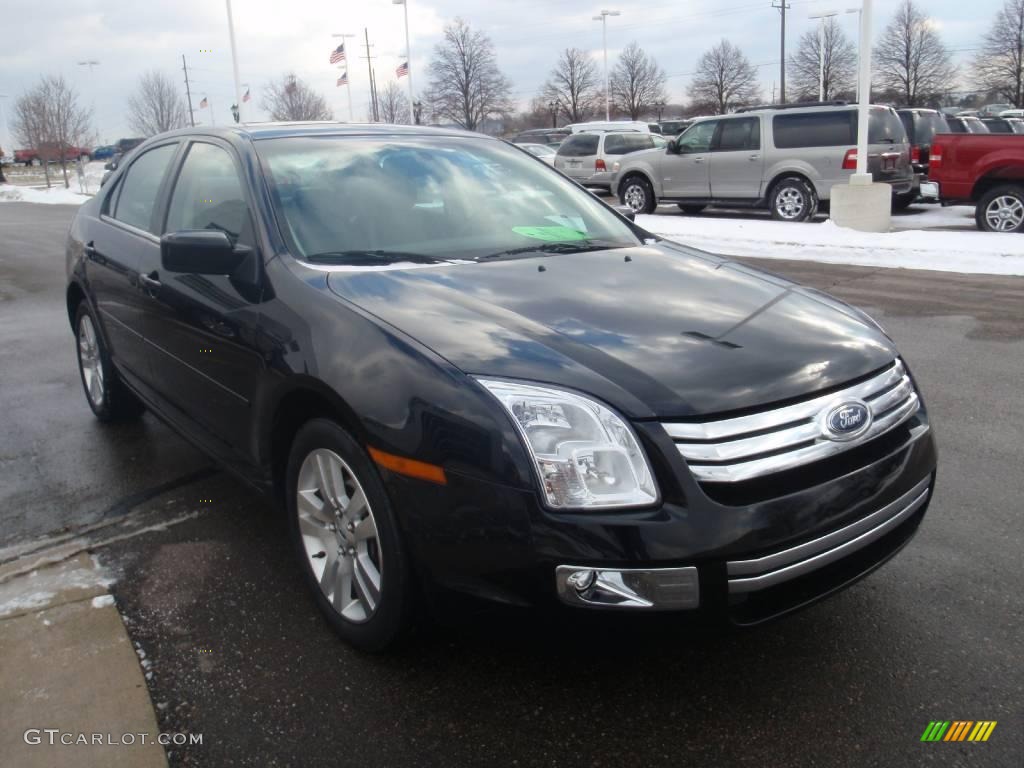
128,37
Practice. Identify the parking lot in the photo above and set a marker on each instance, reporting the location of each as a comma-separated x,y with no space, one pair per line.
240,654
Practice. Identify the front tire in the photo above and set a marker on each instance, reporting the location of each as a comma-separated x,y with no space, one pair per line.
107,396
636,193
1001,209
793,199
346,537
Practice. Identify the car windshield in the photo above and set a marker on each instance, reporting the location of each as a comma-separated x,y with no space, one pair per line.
360,200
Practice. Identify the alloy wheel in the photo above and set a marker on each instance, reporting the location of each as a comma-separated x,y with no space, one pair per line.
339,535
1004,213
89,359
790,203
635,197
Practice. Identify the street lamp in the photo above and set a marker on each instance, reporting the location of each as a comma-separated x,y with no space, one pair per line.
553,106
603,18
821,45
90,63
408,53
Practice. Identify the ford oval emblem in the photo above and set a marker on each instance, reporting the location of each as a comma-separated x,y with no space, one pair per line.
847,420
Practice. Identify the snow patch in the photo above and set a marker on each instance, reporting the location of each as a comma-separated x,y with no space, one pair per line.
944,240
102,601
9,193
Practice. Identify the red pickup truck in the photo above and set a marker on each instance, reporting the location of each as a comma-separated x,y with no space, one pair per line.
32,157
986,169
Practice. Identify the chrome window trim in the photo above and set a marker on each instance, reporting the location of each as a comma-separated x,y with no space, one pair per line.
853,537
733,450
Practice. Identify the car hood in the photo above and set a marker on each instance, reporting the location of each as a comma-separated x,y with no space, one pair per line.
655,330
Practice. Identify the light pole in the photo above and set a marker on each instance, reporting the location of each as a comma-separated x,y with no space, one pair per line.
4,137
553,106
234,62
348,79
90,63
603,18
408,54
863,88
821,49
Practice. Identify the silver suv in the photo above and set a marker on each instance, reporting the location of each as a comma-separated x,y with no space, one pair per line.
783,158
588,157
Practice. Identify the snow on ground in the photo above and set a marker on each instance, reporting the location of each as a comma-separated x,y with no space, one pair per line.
935,238
30,187
55,195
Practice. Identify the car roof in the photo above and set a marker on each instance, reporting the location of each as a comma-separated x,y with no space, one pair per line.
273,130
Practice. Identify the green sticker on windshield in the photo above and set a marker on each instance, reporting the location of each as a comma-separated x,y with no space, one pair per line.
550,234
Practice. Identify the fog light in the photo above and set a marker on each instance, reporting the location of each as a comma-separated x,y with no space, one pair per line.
581,581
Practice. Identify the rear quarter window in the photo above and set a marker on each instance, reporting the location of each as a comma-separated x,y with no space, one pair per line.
579,145
624,143
815,129
885,127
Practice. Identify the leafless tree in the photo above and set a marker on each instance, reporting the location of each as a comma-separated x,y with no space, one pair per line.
574,85
999,68
30,126
910,58
157,105
289,98
840,64
393,104
725,79
49,120
636,82
466,85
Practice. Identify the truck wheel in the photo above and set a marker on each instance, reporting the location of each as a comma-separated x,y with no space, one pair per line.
1001,209
793,199
636,193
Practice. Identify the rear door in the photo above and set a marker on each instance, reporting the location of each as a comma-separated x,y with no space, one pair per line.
202,328
577,155
888,147
737,163
686,173
118,242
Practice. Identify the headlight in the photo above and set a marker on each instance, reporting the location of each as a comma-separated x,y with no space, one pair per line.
586,456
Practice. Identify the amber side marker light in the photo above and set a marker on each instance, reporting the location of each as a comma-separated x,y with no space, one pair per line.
409,467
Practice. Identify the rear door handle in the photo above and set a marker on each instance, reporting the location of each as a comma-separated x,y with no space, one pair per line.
149,282
755,157
698,159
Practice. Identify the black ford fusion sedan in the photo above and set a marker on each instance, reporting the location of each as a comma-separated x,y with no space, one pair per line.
453,366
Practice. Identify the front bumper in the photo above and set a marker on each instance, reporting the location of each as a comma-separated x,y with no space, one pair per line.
742,560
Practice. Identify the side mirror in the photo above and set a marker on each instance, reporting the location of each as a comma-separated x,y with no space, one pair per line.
625,210
201,252
672,147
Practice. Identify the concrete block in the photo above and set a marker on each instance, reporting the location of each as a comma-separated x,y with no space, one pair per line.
864,207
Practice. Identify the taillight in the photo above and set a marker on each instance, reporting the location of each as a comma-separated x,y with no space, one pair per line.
915,154
935,157
599,165
850,160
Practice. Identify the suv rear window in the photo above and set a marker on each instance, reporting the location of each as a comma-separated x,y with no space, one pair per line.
832,128
579,145
884,127
624,143
739,133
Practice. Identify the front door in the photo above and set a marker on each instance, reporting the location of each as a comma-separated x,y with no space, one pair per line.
202,328
685,173
737,163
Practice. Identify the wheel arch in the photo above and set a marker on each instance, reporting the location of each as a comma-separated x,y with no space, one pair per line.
788,174
997,176
74,296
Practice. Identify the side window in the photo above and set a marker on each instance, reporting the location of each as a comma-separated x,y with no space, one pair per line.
208,195
140,186
739,133
698,137
614,144
833,128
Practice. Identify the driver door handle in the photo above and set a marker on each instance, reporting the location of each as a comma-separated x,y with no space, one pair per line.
698,159
149,282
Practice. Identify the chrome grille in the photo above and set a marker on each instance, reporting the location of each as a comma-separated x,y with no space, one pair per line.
746,447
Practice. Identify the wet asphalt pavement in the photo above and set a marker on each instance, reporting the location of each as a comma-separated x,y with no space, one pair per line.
241,656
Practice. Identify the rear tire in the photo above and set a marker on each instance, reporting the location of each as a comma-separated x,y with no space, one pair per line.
347,538
1001,209
691,210
636,193
108,397
793,199
902,201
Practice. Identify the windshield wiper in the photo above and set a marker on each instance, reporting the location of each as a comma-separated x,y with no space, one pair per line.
572,246
375,256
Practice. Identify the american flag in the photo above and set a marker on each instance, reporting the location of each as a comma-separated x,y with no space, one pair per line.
343,80
246,97
403,69
338,54
203,104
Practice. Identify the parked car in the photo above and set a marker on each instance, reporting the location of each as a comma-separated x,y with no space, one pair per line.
1003,124
545,152
921,126
613,125
785,159
992,110
104,153
69,153
1018,113
552,136
965,124
674,126
452,366
588,157
985,170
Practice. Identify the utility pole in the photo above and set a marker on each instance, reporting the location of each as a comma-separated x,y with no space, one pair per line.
369,70
373,94
783,6
188,92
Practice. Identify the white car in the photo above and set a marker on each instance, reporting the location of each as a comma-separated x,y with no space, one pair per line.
613,125
544,151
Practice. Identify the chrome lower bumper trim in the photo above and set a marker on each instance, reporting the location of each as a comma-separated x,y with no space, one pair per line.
654,589
802,559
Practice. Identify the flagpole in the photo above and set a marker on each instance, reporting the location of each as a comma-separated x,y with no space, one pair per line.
408,57
213,119
234,62
348,78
